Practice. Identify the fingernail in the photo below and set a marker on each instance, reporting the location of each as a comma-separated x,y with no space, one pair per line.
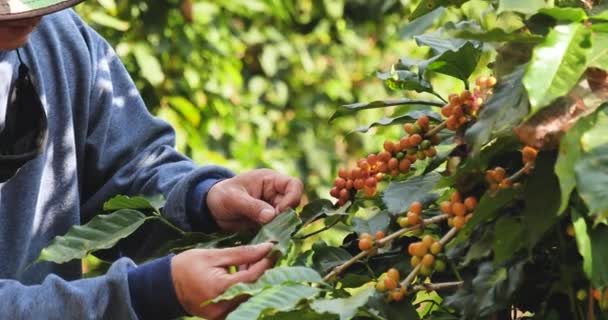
267,215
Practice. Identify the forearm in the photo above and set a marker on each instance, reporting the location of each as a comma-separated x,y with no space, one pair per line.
105,297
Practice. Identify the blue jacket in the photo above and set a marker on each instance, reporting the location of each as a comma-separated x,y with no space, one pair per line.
102,142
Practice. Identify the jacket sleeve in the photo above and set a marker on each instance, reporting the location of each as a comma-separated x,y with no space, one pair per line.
105,297
128,151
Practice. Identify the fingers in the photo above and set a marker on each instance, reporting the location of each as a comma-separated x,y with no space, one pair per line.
239,255
292,194
255,209
253,272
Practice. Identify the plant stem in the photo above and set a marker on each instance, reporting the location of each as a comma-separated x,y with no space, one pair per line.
439,96
410,277
448,236
318,231
520,172
436,129
380,243
590,314
438,286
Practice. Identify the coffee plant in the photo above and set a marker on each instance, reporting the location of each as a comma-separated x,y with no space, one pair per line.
492,203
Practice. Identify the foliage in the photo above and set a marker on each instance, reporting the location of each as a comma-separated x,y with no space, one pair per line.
521,186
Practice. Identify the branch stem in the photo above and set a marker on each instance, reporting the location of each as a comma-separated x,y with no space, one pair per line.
436,129
524,170
380,243
438,286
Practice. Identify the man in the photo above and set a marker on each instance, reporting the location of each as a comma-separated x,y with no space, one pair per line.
74,133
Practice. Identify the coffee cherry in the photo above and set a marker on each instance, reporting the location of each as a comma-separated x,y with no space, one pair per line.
344,194
456,197
389,283
349,184
491,82
343,173
404,143
481,81
470,203
436,248
403,222
570,231
459,222
408,128
423,122
416,128
417,249
380,287
380,235
415,261
384,156
428,241
499,174
454,99
529,154
340,183
359,184
505,184
415,139
413,218
372,159
425,271
416,207
369,192
334,192
428,260
440,266
393,164
371,182
393,274
396,295
459,209
446,207
581,295
389,146
446,111
405,165
365,244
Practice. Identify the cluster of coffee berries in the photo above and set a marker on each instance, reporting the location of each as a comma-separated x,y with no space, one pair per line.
461,108
460,211
497,179
390,282
412,217
366,241
397,158
426,253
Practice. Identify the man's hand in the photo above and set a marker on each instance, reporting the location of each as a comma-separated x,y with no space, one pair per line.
200,275
253,198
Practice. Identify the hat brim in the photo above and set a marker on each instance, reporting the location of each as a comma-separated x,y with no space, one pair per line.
40,11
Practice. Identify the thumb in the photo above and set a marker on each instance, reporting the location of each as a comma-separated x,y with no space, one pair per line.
254,209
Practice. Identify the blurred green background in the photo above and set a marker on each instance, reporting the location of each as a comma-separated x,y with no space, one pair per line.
252,83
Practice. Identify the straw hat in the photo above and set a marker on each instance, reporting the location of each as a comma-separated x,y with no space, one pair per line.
23,9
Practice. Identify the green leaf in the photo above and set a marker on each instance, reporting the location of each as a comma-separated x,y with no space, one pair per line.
569,154
541,200
527,7
102,232
378,222
419,26
350,109
135,203
279,230
491,290
271,278
191,240
565,14
427,6
592,179
149,66
475,32
596,136
378,306
591,245
405,80
277,298
325,257
408,117
346,308
504,110
557,64
106,20
583,242
487,209
454,57
508,241
597,58
400,195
